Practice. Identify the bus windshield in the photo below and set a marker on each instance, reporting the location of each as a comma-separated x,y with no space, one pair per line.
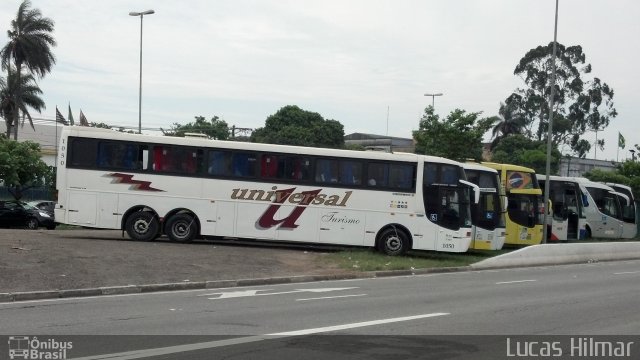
606,202
523,209
446,200
628,207
487,214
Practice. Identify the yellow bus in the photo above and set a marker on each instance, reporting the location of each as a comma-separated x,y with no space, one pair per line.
525,208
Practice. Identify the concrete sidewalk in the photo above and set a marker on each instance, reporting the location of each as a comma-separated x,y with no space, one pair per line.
557,254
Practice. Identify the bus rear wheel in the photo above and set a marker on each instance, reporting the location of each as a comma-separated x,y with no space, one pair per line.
142,226
393,242
181,228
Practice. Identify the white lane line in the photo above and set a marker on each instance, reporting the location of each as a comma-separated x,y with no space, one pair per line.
626,272
514,282
137,354
330,297
356,325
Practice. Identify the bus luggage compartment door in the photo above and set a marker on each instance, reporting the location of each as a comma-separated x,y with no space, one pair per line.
82,208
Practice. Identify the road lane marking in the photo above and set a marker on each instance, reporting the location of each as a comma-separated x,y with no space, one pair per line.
330,297
626,272
514,282
143,353
356,325
250,293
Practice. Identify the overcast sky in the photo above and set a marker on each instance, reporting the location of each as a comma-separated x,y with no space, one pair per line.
352,61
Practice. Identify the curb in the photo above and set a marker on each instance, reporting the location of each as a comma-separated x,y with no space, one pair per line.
214,284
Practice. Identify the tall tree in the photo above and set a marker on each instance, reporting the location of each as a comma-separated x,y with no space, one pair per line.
581,103
28,97
510,120
29,45
21,166
293,126
457,137
214,128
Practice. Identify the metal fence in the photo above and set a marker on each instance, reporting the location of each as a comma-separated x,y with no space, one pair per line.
36,193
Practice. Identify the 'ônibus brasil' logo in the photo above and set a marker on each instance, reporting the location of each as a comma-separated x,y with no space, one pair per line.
279,197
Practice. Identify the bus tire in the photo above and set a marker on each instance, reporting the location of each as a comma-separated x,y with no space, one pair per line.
587,234
181,228
142,226
393,242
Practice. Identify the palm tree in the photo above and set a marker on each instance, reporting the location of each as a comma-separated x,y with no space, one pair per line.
29,44
509,123
28,95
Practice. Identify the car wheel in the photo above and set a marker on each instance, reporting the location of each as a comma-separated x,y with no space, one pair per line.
142,226
32,224
181,228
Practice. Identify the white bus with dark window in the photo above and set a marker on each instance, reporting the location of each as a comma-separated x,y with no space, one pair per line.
629,213
568,201
191,188
488,215
602,208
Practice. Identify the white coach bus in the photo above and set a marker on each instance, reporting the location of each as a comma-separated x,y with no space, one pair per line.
602,209
187,187
628,204
568,200
488,216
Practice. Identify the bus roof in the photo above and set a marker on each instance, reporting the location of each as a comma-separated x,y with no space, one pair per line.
499,167
543,177
476,166
98,133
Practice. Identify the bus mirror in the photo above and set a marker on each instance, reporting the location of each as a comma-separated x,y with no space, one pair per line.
476,192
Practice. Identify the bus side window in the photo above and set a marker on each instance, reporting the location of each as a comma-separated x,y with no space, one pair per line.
378,174
158,158
244,164
219,163
326,171
350,173
401,176
269,166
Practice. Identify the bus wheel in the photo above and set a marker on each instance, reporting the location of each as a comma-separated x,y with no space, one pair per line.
181,228
393,242
142,226
587,233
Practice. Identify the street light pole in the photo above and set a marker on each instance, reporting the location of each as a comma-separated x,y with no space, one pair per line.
141,14
433,98
547,185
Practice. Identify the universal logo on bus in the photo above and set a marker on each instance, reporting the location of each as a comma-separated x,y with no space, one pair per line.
277,197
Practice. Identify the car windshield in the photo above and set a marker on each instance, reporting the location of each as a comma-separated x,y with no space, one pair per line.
28,206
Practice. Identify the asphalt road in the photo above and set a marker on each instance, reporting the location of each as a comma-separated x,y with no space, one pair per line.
586,299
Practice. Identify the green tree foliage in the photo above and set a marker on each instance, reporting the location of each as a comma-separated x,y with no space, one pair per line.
510,121
21,166
293,126
627,173
27,94
520,150
29,45
457,137
581,103
214,128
